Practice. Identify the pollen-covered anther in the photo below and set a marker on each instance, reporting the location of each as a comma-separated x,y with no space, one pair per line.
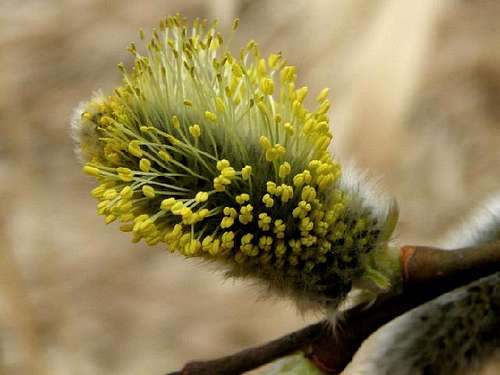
228,172
201,196
134,147
286,192
242,198
92,171
284,169
246,172
167,204
264,221
308,193
267,86
148,191
164,155
268,201
301,210
145,165
195,130
221,164
125,174
210,116
279,228
220,183
227,240
265,243
246,216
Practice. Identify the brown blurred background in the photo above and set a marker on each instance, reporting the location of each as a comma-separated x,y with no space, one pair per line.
416,100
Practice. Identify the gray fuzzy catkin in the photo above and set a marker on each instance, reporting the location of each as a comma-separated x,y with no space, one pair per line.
454,333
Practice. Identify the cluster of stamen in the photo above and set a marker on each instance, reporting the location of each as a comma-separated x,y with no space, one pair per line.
218,157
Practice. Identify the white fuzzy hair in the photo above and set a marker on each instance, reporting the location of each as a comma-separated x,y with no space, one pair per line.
482,226
82,131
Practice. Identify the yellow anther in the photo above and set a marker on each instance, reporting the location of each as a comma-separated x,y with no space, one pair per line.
172,139
110,194
230,211
203,213
201,196
273,60
219,104
93,171
323,94
301,210
298,180
314,164
220,183
324,107
164,155
126,227
237,70
246,238
289,128
309,126
265,243
265,143
228,172
264,221
324,168
279,228
242,198
175,122
326,181
210,116
221,164
148,191
271,154
286,193
127,192
246,171
195,130
267,86
125,174
207,243
280,249
226,222
98,191
227,237
285,169
271,187
126,217
145,165
288,73
306,225
215,248
301,93
177,207
187,103
134,148
246,214
192,247
268,201
307,176
308,193
109,219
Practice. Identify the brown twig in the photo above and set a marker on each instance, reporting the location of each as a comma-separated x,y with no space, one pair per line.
427,273
251,358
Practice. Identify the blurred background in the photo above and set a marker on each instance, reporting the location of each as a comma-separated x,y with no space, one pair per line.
416,100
